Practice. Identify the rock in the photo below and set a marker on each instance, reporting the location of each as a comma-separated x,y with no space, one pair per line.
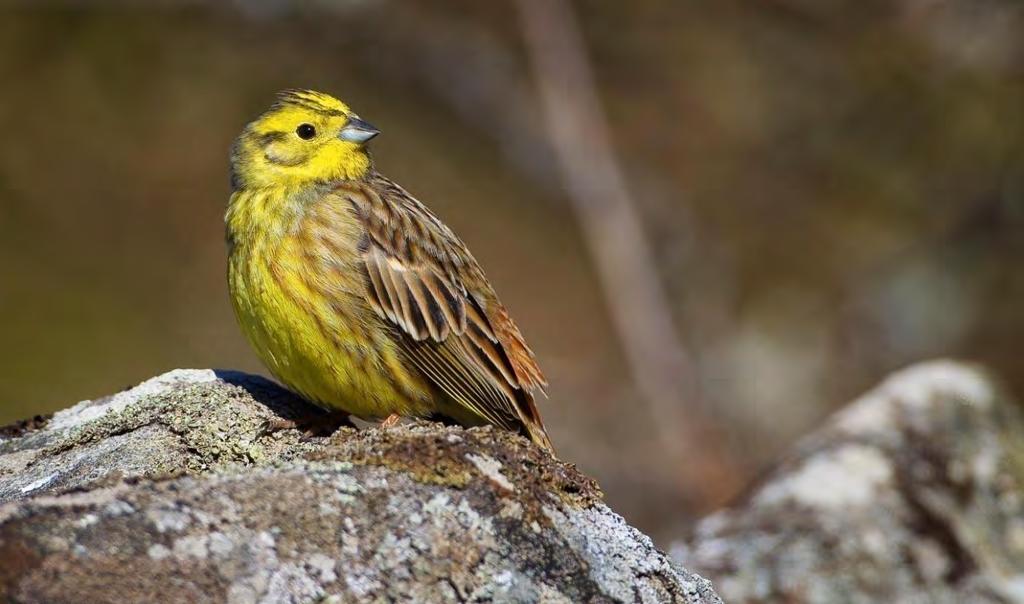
910,494
186,489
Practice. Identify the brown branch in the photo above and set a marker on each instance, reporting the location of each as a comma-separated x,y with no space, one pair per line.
661,366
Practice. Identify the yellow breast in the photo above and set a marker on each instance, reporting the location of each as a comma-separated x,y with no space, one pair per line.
297,288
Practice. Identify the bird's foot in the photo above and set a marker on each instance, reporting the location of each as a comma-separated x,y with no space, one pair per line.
313,424
391,421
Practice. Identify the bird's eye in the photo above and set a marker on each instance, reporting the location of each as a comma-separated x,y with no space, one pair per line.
305,131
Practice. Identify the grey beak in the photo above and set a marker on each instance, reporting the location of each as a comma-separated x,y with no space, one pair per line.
357,131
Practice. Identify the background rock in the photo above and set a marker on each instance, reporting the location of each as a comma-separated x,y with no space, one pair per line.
186,489
910,494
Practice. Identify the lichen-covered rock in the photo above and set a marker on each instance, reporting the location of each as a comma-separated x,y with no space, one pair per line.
186,489
912,493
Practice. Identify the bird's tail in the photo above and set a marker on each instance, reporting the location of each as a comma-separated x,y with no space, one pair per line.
532,425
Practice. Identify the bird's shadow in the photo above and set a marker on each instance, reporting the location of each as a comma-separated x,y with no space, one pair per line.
282,402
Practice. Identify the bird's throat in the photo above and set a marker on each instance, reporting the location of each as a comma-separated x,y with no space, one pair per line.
265,214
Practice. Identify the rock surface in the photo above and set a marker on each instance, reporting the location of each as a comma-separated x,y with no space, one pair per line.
186,489
912,493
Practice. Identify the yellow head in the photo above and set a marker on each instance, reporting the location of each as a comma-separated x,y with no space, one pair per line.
305,137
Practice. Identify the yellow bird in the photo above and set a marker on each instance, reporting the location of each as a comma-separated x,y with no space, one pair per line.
353,293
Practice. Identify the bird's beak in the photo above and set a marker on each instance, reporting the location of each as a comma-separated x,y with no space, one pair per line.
357,131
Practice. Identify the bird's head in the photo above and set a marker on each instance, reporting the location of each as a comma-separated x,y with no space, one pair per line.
305,137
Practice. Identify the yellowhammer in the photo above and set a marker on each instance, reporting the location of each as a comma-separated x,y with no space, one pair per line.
353,293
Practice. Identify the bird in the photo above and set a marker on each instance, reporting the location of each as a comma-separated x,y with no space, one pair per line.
353,293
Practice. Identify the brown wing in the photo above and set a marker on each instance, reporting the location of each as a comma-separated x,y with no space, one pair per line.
421,278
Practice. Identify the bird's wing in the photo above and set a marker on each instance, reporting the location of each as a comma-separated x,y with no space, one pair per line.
421,278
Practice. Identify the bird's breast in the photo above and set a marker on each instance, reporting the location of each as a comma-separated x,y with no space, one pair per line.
299,293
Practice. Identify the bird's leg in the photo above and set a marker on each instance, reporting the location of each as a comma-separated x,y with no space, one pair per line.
391,421
315,423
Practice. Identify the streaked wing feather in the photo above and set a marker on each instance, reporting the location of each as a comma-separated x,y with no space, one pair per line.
421,278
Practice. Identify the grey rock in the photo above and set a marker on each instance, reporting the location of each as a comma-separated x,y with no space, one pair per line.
910,494
188,488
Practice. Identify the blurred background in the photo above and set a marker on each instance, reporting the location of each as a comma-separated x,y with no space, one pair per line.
715,222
